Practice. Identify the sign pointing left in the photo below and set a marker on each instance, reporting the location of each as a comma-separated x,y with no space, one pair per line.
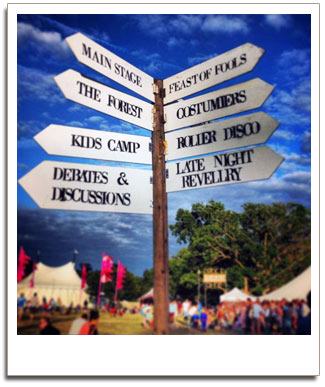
105,62
81,187
94,144
105,99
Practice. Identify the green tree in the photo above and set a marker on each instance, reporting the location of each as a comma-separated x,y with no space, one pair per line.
267,244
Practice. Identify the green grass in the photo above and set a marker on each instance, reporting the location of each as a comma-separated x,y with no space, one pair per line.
129,324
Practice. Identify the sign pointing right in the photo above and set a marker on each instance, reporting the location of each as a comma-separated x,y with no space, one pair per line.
224,168
238,132
219,69
221,103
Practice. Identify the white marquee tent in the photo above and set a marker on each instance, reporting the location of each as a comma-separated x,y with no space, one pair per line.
235,295
299,287
54,282
146,296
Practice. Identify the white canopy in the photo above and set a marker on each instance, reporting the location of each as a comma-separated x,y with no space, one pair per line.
298,288
149,294
235,295
54,282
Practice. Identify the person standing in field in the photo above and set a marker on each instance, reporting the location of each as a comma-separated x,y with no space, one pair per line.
91,326
77,324
186,307
34,304
46,328
20,306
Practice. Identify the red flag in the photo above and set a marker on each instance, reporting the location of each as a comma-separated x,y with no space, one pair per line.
83,277
107,269
121,272
32,280
23,259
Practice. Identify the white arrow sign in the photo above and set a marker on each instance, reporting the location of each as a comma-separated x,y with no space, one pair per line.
105,99
247,130
105,62
219,69
81,187
221,103
94,144
226,168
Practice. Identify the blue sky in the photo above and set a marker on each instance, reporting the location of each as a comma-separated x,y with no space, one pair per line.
160,45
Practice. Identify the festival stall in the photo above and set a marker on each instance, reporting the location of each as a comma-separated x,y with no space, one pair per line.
60,282
298,288
235,295
147,297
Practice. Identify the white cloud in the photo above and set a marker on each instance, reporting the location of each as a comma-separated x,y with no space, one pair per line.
174,42
278,21
95,119
50,42
285,135
186,24
74,108
225,24
152,24
291,106
163,25
295,61
298,177
200,58
76,124
34,83
28,128
299,160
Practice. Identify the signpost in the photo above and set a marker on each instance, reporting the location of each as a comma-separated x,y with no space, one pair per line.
236,132
221,103
219,69
81,187
224,168
94,144
104,99
105,62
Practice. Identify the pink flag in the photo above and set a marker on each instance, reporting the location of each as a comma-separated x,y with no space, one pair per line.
121,272
107,269
23,259
83,277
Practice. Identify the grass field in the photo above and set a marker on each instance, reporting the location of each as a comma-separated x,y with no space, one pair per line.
129,324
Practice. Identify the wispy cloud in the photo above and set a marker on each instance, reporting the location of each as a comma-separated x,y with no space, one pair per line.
152,62
36,84
291,106
27,128
296,60
225,24
200,58
278,21
284,135
49,42
184,25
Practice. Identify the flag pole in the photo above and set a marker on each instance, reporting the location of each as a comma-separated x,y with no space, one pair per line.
99,290
116,290
32,281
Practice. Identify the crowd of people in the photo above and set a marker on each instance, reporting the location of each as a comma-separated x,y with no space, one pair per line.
45,307
247,317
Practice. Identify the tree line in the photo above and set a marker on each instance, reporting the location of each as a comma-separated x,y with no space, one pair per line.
262,247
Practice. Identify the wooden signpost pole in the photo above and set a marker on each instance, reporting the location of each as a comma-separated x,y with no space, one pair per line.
160,221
